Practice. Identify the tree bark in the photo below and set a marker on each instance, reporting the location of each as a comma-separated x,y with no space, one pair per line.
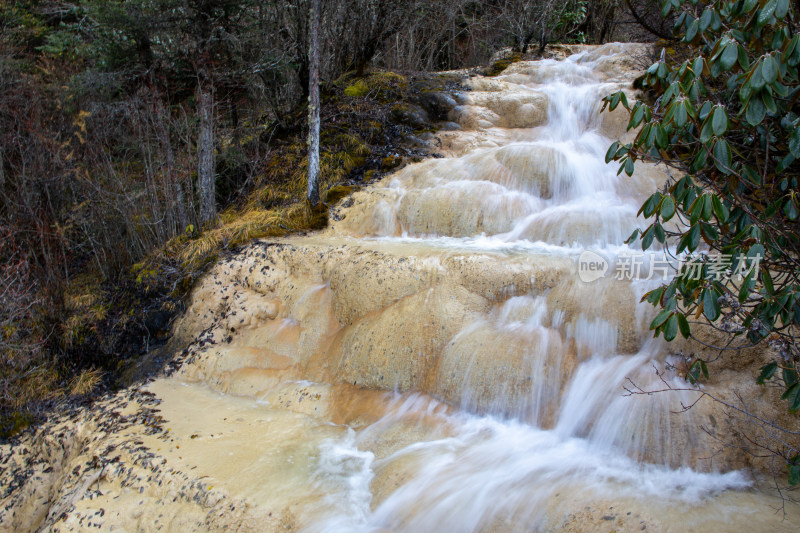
313,105
205,152
173,181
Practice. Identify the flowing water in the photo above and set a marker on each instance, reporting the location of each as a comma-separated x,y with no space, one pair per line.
434,362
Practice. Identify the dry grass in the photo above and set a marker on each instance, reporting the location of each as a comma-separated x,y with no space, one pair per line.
84,305
85,382
238,227
284,178
40,383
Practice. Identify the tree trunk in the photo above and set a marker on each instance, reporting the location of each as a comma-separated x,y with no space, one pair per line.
313,105
173,181
205,152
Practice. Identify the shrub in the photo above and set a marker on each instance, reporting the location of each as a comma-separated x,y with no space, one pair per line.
724,117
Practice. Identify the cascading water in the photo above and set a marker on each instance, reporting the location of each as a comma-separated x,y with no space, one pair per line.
542,409
434,361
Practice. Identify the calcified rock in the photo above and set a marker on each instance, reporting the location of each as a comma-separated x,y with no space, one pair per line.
432,362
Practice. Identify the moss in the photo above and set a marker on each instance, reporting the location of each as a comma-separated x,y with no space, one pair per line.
357,90
391,162
383,86
499,66
14,423
336,193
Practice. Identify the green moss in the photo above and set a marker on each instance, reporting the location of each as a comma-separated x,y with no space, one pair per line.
14,423
336,193
391,162
357,90
383,86
498,67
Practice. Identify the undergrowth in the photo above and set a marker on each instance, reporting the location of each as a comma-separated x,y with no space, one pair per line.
106,325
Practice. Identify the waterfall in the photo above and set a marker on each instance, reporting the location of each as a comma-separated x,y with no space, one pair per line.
454,354
539,378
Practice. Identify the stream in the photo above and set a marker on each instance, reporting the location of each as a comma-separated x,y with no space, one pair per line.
438,361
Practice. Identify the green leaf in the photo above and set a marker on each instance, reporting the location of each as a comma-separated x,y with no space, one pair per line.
671,328
667,208
637,116
683,324
756,111
757,78
629,166
790,209
650,205
704,368
789,377
649,134
744,291
690,239
755,253
647,238
612,151
681,116
710,305
709,231
707,131
706,110
699,162
694,237
662,140
705,19
769,102
660,318
661,236
767,371
653,296
707,207
716,21
696,210
793,44
767,278
699,66
744,60
691,31
720,121
749,5
794,143
769,69
694,373
720,210
722,154
767,12
792,395
794,475
730,54
781,9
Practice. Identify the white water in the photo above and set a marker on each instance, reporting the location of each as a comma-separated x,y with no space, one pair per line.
532,436
491,472
431,363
